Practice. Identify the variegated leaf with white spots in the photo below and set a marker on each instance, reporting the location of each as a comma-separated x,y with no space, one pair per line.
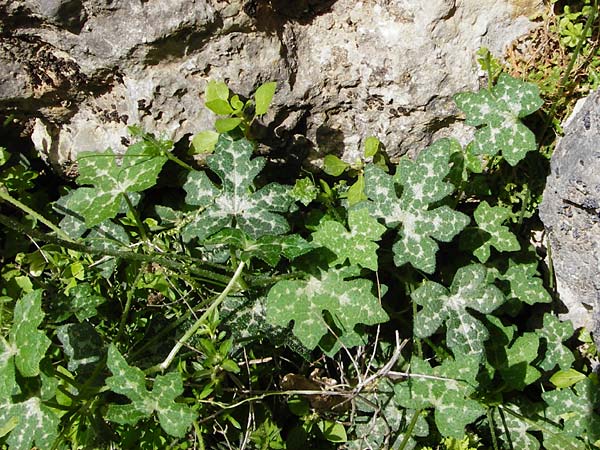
554,332
26,343
446,388
235,204
524,284
347,302
35,423
269,249
576,407
358,245
465,334
422,183
517,366
499,111
175,418
112,177
490,232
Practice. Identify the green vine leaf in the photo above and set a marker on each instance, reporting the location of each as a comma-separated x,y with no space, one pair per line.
234,203
269,249
175,418
499,111
465,334
422,184
304,191
357,245
81,343
524,284
34,423
554,333
26,343
347,302
446,388
138,170
576,407
491,232
517,370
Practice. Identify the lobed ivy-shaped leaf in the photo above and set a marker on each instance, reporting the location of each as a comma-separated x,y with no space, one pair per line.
465,334
498,112
137,171
358,245
524,284
447,388
34,423
81,344
554,332
269,249
26,345
517,369
423,184
175,418
490,232
576,408
235,204
348,303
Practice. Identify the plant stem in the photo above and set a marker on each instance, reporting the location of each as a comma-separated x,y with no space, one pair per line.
128,302
13,201
179,162
80,247
180,343
409,430
492,430
567,73
136,217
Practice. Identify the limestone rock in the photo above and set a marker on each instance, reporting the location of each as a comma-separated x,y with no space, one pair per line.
571,214
345,69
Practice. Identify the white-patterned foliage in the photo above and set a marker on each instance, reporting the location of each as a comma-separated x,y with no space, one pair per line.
499,111
490,232
234,204
358,245
524,283
422,183
554,333
349,302
175,418
23,351
138,170
465,334
447,389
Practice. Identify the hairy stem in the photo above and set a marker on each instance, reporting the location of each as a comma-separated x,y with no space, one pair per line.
181,342
37,216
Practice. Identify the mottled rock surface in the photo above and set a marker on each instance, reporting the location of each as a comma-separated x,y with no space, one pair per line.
571,214
346,69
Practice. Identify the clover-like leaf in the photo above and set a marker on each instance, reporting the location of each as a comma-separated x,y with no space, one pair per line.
554,333
446,388
348,303
490,232
138,170
357,245
304,191
500,109
234,204
470,290
175,418
34,423
422,184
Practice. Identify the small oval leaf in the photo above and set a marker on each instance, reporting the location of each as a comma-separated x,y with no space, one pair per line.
566,378
218,106
226,125
263,96
334,166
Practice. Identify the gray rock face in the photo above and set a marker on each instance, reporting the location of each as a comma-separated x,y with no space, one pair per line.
346,69
571,214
